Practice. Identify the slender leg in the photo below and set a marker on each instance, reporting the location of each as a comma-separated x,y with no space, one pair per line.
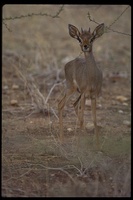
93,106
79,106
76,104
81,113
61,105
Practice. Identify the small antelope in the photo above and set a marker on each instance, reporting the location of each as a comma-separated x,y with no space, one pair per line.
83,75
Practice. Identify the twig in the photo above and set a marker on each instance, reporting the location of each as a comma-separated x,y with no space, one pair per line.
31,15
56,84
19,176
7,27
58,169
58,12
35,14
108,27
74,167
118,17
54,113
25,117
81,164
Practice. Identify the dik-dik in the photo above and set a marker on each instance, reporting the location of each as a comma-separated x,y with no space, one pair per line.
83,75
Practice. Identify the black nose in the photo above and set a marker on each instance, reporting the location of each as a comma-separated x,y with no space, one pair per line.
85,46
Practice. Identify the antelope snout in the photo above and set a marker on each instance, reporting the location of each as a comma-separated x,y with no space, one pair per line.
85,48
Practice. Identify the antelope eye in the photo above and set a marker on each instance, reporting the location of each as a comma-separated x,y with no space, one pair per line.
79,40
91,40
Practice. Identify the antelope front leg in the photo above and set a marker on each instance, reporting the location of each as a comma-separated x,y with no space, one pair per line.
79,106
81,111
93,106
61,105
60,109
76,106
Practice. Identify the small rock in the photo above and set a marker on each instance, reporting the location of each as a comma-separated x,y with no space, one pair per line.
5,87
121,98
52,175
15,87
88,102
125,104
90,126
120,111
14,102
69,129
126,122
99,106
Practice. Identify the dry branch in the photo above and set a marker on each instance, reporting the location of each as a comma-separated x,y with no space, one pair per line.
56,15
108,27
38,100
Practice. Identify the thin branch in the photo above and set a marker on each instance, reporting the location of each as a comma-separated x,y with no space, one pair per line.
7,27
108,27
119,32
56,84
31,15
36,14
54,113
58,12
58,169
118,17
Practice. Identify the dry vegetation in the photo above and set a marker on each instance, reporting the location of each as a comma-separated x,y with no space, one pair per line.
34,162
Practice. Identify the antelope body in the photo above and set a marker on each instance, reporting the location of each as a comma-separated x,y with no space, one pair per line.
82,75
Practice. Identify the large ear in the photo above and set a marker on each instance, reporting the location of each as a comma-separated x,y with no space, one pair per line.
99,31
73,31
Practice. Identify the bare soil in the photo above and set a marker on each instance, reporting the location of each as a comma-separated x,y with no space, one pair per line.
34,162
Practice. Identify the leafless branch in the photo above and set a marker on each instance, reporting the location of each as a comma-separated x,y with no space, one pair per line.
108,27
36,14
118,17
56,15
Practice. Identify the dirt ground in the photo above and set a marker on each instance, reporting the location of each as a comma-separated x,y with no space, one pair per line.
35,49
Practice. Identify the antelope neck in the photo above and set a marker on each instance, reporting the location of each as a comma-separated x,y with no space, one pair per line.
89,56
